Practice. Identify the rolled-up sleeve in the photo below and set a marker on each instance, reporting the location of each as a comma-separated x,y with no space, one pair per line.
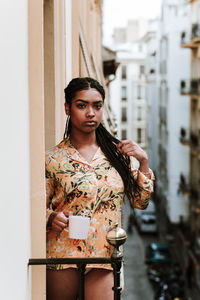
142,195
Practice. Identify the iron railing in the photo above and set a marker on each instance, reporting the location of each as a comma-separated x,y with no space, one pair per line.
185,37
195,31
116,263
190,87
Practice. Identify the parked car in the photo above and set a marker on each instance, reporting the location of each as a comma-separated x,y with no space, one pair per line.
157,253
146,220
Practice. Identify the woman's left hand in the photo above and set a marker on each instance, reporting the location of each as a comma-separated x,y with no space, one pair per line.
130,148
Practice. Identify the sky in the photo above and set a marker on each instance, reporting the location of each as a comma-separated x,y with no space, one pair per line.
116,13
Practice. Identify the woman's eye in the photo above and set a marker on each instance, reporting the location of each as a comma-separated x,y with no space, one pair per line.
81,105
98,106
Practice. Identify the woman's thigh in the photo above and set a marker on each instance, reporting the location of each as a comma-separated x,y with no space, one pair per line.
98,285
62,284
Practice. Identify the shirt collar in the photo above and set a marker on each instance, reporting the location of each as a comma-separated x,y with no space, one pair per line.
73,153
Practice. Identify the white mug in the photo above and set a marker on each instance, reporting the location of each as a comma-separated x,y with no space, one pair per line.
78,227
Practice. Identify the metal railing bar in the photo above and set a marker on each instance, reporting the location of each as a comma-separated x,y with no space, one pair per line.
81,272
116,272
60,261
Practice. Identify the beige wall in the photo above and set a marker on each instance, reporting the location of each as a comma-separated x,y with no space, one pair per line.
49,73
75,38
60,72
54,70
90,21
37,145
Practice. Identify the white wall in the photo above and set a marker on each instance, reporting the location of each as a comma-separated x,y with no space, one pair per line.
14,158
152,127
152,46
178,110
178,116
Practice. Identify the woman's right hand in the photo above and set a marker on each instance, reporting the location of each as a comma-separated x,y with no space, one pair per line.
60,220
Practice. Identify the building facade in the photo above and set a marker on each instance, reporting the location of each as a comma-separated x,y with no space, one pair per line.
173,112
151,72
128,90
190,137
128,96
44,45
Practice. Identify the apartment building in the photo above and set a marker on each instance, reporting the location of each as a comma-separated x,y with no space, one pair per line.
128,90
44,44
190,136
173,158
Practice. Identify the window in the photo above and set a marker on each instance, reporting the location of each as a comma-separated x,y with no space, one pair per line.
141,69
124,93
124,114
124,134
139,135
139,92
139,113
123,72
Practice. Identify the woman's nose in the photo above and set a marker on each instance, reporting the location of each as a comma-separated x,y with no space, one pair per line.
90,112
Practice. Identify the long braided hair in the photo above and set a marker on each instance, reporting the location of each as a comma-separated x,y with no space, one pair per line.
105,140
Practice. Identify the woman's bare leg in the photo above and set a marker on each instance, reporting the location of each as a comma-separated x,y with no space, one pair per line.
98,285
62,284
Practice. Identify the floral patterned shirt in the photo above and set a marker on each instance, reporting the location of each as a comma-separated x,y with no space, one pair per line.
92,189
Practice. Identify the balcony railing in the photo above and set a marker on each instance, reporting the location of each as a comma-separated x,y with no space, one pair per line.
185,37
191,38
195,31
190,87
195,143
184,186
194,193
188,189
81,263
116,237
194,140
184,136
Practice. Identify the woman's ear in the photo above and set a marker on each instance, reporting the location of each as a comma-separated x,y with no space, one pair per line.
67,108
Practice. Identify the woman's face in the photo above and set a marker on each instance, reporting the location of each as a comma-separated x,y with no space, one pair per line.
85,110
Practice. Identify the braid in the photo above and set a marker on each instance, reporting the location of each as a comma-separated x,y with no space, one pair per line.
105,140
67,128
120,162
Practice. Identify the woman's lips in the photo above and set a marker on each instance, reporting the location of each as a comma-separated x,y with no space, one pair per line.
90,123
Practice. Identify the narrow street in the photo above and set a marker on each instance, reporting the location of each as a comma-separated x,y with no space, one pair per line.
136,283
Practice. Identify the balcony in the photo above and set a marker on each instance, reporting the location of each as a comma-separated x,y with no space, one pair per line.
191,38
195,35
191,139
194,139
194,193
184,187
190,87
195,143
186,40
184,136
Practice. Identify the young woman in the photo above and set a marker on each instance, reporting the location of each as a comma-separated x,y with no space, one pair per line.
89,173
